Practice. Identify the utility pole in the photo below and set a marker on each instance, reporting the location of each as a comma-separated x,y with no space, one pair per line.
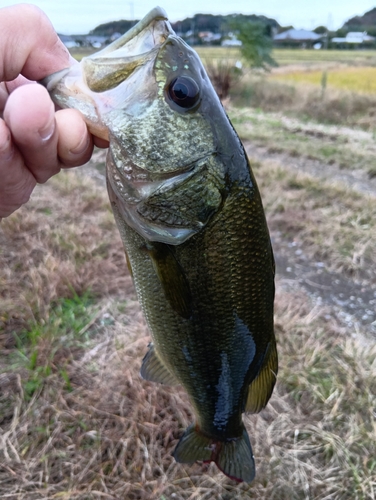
131,5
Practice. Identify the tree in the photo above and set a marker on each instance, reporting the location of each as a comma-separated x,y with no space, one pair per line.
321,30
257,44
256,52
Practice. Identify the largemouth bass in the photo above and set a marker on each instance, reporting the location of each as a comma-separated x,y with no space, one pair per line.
191,219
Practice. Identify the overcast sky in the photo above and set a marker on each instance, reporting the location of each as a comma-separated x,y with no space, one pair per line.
80,16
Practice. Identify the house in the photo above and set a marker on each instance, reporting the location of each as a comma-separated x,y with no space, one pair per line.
96,41
68,41
231,43
297,38
209,37
354,38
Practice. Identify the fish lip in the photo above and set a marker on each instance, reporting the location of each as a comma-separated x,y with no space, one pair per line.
151,22
50,82
155,14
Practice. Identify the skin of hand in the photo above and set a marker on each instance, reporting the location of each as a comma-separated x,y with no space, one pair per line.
35,140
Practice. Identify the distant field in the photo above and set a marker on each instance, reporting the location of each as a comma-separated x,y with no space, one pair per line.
307,57
283,57
298,56
354,79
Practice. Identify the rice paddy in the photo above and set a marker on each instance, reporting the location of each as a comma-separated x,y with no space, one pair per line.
353,79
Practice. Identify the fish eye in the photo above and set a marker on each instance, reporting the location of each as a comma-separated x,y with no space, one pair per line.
184,91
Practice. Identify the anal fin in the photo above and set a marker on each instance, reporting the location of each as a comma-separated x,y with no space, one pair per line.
154,370
261,388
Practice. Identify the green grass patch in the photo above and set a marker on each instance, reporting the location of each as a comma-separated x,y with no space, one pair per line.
46,346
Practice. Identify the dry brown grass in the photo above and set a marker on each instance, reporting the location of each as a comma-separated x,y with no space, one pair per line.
64,241
89,427
112,434
327,106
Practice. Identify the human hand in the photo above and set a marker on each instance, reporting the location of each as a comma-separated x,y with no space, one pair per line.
35,141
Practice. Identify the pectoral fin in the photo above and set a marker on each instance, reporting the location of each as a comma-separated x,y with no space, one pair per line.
154,370
261,388
172,278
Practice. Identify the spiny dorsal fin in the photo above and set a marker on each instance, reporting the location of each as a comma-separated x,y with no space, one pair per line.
261,388
154,370
172,278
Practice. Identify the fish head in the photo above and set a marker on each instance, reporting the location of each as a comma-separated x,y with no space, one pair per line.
149,95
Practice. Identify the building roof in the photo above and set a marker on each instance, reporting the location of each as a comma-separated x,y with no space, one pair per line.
298,35
354,37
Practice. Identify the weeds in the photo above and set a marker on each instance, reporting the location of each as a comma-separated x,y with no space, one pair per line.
224,75
107,431
332,106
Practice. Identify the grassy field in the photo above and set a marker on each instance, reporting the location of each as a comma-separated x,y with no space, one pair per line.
354,79
76,420
306,57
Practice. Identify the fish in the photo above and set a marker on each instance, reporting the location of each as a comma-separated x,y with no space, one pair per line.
192,222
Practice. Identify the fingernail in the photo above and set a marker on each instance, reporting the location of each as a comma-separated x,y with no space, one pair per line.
46,132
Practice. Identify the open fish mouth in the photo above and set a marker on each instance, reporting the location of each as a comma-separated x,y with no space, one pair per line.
84,85
110,66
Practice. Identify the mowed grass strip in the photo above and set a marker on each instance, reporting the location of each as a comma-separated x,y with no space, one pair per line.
327,144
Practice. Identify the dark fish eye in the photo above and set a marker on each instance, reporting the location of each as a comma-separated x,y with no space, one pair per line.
184,91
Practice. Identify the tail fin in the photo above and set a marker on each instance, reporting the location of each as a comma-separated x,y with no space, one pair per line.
233,457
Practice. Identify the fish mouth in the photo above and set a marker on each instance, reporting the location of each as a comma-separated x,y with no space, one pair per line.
152,30
109,67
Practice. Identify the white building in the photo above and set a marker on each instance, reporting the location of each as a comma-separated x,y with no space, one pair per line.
354,37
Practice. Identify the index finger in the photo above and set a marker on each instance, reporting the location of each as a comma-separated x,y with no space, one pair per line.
29,44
